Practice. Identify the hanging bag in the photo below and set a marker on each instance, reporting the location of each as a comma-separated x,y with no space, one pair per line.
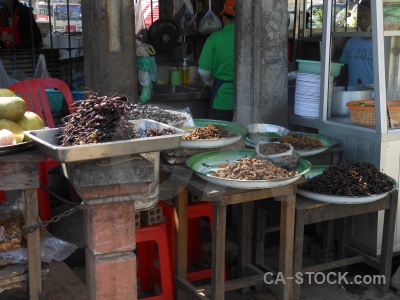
188,24
210,22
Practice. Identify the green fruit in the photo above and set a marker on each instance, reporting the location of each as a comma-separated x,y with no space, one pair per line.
6,93
14,128
12,108
30,121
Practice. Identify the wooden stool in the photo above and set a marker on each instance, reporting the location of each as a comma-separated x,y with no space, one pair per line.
308,212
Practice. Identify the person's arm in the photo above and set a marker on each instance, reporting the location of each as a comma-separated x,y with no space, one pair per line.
206,60
206,76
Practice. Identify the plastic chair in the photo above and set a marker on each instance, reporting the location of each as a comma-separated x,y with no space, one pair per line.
33,91
148,238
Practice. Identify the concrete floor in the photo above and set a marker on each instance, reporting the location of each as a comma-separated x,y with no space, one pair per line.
70,229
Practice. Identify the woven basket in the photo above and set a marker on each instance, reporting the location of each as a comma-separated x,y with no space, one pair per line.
365,115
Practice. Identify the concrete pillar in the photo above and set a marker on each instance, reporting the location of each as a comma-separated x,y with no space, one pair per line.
109,188
109,43
261,62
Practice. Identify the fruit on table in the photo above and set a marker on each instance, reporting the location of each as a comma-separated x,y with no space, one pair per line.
7,138
30,121
6,93
14,128
12,108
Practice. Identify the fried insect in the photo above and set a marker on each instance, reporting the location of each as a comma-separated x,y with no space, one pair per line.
301,141
210,132
248,168
349,178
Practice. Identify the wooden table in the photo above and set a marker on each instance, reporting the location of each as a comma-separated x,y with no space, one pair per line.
220,198
19,173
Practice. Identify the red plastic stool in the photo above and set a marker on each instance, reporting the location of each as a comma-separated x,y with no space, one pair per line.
196,210
2,196
148,237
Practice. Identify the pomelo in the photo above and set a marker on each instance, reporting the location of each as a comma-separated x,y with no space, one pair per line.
30,121
12,108
6,93
14,128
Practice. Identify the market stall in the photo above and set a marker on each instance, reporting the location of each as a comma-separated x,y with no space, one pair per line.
364,131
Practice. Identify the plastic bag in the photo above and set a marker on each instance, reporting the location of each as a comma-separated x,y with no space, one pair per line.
188,24
287,159
147,69
139,18
210,22
51,249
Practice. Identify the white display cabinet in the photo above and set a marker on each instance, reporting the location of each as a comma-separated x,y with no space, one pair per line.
380,144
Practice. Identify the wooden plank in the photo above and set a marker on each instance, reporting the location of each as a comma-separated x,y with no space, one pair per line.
29,196
334,211
218,252
22,157
271,229
211,192
286,244
257,195
387,242
245,239
334,264
69,280
192,291
181,235
298,251
17,175
234,284
259,231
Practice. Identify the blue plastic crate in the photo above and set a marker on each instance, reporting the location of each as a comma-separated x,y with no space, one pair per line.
56,99
78,95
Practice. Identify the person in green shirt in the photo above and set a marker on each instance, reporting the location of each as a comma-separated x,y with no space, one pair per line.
216,65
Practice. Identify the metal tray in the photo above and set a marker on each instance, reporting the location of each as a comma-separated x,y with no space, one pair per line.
4,150
47,143
256,132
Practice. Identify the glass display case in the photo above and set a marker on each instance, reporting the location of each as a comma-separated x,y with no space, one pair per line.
365,129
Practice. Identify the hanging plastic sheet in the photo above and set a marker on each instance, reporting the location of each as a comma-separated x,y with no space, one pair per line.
147,69
5,79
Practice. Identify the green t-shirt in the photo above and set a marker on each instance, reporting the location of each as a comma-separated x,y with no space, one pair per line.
217,57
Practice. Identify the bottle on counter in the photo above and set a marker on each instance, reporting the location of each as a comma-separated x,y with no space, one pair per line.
185,72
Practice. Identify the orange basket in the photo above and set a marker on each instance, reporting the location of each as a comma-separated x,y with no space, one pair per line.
365,115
